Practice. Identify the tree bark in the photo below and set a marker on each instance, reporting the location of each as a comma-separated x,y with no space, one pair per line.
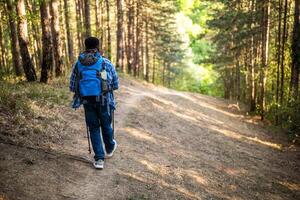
47,61
2,48
252,63
102,26
138,39
23,41
56,40
97,20
130,50
78,25
147,47
238,79
15,49
296,53
68,30
265,57
87,18
284,36
163,73
120,31
108,29
153,69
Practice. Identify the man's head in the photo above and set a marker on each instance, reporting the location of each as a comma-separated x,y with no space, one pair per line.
91,43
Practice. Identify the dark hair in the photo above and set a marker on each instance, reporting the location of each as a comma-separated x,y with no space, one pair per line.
91,43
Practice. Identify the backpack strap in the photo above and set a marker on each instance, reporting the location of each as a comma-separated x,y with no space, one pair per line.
77,77
103,64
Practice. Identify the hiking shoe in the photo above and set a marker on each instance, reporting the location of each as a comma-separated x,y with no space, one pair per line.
99,164
109,155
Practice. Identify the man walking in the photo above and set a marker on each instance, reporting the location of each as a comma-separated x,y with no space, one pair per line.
93,80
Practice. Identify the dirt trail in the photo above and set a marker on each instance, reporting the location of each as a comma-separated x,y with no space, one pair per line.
172,145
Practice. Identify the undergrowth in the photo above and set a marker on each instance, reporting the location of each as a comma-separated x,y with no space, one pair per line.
30,112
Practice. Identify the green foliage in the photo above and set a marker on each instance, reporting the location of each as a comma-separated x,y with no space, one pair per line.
194,73
199,79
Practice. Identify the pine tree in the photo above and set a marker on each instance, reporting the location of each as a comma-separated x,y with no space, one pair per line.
47,41
56,40
23,41
15,49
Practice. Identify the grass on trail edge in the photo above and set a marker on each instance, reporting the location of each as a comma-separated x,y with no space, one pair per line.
30,112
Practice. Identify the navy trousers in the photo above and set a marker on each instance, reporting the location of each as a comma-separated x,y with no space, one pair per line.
98,120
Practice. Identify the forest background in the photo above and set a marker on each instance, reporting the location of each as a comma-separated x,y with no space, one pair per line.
245,51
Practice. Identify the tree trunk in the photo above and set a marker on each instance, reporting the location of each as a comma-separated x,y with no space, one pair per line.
68,29
23,41
108,30
169,75
56,41
102,26
47,61
284,35
147,48
2,48
138,39
265,57
163,73
33,37
97,20
130,16
252,63
87,18
15,50
78,25
296,53
153,69
238,79
120,31
36,36
278,61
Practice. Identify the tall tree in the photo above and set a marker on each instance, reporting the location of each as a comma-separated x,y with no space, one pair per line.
23,41
284,36
108,29
296,52
47,61
15,49
265,54
130,36
2,47
87,17
120,30
79,24
147,47
68,29
56,40
252,63
97,19
138,38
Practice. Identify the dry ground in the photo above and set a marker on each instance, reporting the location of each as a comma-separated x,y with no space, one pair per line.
172,145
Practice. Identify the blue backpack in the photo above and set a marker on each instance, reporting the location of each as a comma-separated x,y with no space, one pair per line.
90,82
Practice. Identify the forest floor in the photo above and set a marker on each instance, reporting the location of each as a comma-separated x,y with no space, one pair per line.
172,145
